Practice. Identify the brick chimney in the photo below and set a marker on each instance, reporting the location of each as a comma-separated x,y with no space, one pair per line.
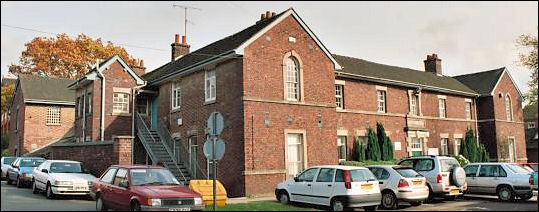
433,64
179,49
266,15
139,68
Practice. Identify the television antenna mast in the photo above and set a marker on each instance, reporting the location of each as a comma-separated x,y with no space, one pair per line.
185,8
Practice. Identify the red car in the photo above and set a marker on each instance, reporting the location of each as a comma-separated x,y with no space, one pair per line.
148,188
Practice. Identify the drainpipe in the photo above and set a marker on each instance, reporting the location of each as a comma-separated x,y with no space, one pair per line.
476,120
102,101
84,117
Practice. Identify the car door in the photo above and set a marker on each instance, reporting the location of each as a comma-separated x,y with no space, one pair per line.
471,178
300,190
322,189
120,196
106,187
490,176
382,175
14,170
40,178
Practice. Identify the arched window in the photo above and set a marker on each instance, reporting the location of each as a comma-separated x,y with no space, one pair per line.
292,79
508,108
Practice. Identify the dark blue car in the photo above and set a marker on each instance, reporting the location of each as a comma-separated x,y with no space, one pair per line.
21,170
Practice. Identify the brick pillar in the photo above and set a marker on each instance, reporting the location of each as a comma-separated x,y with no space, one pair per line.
123,149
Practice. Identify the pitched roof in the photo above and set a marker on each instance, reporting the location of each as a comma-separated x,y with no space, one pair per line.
387,74
46,90
210,51
482,82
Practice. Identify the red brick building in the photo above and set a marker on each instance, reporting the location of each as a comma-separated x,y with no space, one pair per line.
41,112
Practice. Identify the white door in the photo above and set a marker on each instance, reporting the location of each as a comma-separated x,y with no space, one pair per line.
511,150
294,151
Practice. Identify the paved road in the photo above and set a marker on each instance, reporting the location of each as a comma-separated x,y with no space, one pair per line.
22,199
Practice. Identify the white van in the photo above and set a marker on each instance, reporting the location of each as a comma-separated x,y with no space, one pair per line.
336,186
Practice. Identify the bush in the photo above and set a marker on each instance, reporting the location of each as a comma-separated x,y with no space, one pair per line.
462,160
360,155
5,153
384,142
368,163
373,148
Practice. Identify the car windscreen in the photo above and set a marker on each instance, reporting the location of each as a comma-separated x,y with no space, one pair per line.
447,164
59,167
517,169
30,162
407,172
152,177
361,175
9,160
534,167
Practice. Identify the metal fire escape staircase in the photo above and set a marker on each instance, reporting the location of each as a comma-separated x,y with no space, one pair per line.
157,145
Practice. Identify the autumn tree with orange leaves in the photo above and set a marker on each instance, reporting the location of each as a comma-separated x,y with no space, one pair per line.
65,57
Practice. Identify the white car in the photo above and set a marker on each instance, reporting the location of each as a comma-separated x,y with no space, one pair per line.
6,163
336,186
400,183
504,179
61,177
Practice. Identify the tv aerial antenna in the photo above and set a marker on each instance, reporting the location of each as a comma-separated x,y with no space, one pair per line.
185,8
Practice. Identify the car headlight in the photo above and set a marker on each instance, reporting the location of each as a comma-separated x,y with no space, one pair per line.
198,201
63,183
154,202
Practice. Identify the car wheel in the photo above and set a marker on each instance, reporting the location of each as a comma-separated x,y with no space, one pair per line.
135,206
370,208
337,205
431,195
8,180
416,203
100,204
505,193
34,188
389,200
49,193
283,198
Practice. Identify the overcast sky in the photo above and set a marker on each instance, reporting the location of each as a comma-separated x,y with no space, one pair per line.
467,36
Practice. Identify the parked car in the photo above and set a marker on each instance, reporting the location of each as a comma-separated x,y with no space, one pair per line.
504,179
444,175
532,167
399,183
6,163
61,177
336,186
21,170
124,188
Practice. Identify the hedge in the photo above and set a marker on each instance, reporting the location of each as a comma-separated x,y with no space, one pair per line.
368,163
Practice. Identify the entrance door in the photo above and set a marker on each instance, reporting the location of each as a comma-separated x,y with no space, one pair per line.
154,114
511,147
193,154
294,158
417,147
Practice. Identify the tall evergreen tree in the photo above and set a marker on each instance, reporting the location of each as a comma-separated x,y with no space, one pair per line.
381,136
373,148
361,152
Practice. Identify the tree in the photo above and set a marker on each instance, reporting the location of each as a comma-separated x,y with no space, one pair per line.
7,92
373,148
384,142
360,155
528,59
471,150
65,57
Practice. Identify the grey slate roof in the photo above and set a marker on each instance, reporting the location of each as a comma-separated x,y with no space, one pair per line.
481,82
393,74
216,48
46,89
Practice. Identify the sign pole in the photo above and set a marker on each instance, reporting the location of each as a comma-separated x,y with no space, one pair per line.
213,160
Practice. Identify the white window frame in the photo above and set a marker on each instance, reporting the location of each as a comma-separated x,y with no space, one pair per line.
442,108
414,105
531,125
53,116
341,142
508,108
416,144
120,98
458,142
292,79
176,96
468,110
339,96
381,99
210,86
444,146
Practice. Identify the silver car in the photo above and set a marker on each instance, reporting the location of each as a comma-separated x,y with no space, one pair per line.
6,163
444,175
399,183
506,180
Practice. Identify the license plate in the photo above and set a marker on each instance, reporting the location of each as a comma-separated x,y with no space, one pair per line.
417,183
80,188
179,209
366,187
454,191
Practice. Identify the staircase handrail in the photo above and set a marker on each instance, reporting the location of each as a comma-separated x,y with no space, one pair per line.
141,125
165,144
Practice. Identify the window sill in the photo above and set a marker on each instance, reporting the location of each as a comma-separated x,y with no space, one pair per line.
52,125
209,102
121,114
175,110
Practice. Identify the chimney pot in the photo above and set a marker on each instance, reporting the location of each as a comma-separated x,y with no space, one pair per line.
262,16
141,64
177,38
184,39
273,14
268,14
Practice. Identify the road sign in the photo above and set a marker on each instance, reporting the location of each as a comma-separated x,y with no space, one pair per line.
215,123
219,149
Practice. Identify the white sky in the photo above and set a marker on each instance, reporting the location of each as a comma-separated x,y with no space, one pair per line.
467,36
